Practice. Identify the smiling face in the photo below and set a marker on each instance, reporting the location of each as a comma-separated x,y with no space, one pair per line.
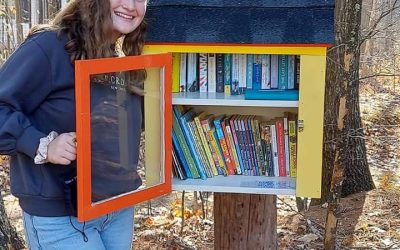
126,15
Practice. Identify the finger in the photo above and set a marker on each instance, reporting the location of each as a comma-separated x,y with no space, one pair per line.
70,149
63,161
69,156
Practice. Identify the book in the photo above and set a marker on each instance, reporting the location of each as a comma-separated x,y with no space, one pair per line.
208,128
266,144
183,72
236,143
203,74
249,130
212,70
265,72
235,75
249,71
227,73
242,73
257,72
246,145
182,117
272,94
199,148
176,60
280,142
293,145
230,143
291,71
241,142
185,147
177,167
274,148
274,71
224,147
192,73
180,155
286,134
197,120
282,72
220,73
257,142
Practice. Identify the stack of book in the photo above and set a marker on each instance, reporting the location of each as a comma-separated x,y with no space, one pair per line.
234,74
205,145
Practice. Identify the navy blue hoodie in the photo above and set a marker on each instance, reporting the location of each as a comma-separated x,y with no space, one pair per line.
37,96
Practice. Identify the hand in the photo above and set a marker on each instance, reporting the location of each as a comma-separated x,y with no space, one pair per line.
62,150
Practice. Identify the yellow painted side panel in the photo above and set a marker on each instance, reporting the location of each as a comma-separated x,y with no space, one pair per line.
152,49
152,119
176,59
310,138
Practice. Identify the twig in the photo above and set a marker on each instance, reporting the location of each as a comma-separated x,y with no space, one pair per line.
183,211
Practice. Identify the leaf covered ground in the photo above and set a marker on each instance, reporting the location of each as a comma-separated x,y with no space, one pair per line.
369,220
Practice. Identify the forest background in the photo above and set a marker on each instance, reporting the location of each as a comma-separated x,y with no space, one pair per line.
365,219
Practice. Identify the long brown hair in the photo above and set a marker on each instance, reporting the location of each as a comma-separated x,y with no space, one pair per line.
89,27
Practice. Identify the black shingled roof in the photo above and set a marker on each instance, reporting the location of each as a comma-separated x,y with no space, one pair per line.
248,22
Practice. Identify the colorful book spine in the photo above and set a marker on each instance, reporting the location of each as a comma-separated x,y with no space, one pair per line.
204,141
203,75
257,141
291,72
231,145
286,135
181,155
266,140
183,72
283,72
236,142
280,142
200,151
183,117
227,73
242,73
250,135
246,145
212,70
176,60
224,146
220,73
235,75
297,72
293,148
274,148
274,71
265,72
257,72
192,76
240,137
208,129
185,147
249,72
272,94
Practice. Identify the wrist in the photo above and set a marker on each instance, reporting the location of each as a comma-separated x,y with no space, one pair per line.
41,153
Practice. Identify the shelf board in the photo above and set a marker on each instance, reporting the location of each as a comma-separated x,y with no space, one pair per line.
239,184
220,99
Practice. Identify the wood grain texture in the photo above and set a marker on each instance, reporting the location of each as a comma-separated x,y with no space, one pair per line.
245,221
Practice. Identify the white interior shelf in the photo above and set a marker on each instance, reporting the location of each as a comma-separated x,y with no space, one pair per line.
239,184
220,99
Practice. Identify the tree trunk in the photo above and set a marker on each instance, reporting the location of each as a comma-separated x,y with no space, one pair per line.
342,88
8,236
245,221
346,167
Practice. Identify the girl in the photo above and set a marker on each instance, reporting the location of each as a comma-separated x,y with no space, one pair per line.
37,122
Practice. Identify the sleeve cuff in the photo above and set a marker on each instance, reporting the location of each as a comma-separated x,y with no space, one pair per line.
29,140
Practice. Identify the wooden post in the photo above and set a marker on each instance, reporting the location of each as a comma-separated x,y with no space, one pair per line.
245,221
